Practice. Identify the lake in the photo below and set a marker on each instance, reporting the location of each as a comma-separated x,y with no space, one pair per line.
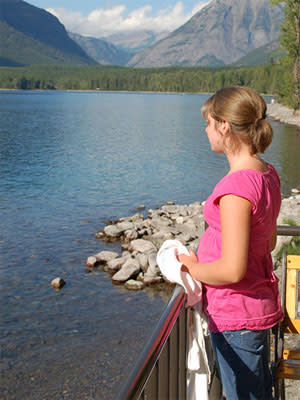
69,161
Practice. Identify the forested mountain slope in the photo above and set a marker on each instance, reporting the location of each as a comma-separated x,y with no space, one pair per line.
30,35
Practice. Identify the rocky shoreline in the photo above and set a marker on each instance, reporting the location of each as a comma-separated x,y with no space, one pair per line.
283,114
141,237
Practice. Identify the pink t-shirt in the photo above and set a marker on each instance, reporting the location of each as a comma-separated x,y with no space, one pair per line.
254,302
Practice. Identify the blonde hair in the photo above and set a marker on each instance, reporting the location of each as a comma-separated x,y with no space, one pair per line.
245,111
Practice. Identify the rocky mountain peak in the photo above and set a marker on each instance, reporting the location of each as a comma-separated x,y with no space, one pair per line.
220,33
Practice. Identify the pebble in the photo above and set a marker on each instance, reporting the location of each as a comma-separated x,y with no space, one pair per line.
58,283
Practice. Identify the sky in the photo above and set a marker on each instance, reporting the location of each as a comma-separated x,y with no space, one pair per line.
100,18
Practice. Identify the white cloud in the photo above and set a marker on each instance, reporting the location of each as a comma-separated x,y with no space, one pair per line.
102,22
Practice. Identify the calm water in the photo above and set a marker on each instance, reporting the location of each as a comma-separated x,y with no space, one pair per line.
68,162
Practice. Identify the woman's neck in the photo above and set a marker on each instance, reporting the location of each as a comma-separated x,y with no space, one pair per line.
243,159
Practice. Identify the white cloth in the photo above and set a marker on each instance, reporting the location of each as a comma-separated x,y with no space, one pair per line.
170,267
199,355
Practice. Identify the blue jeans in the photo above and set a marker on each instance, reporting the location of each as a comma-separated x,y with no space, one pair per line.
242,360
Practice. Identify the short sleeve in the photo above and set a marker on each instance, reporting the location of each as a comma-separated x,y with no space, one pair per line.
241,184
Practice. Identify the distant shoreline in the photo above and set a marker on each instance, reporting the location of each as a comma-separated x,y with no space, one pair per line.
283,114
114,91
275,111
105,91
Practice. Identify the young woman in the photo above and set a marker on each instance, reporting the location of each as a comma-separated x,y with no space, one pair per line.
233,261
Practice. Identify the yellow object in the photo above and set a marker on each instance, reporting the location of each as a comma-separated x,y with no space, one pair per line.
287,361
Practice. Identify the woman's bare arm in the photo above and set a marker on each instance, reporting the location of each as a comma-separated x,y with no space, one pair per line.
235,215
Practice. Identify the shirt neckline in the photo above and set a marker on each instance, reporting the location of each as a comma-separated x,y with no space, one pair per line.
252,170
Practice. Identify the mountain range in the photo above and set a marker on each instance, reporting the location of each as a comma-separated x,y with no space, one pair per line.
219,34
223,32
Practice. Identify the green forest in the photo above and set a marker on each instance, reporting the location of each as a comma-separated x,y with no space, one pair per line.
265,78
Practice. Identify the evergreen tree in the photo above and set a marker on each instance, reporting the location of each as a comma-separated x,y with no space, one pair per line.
290,40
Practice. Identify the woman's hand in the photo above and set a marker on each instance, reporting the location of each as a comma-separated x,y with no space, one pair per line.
187,261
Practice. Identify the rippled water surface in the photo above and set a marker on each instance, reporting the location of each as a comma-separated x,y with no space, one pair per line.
68,162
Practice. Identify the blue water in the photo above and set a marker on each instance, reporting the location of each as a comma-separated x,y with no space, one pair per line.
68,162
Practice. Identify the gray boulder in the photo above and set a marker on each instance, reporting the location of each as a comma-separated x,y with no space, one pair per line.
142,246
106,256
125,226
112,231
116,264
128,270
130,234
152,279
143,261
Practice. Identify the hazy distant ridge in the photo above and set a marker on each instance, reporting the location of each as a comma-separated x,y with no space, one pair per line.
102,51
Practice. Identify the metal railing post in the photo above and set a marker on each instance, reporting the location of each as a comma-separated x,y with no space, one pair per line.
149,369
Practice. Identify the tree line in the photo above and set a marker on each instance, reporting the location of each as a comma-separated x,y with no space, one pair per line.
265,79
290,41
282,79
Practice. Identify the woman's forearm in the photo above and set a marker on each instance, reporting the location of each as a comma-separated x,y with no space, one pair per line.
218,272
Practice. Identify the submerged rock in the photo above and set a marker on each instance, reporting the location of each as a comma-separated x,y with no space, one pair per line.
132,284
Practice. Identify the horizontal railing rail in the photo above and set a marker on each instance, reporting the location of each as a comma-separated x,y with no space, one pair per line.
288,230
140,377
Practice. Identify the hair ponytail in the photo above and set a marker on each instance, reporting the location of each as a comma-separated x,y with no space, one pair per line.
262,136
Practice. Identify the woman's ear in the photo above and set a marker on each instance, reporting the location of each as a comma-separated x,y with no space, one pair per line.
224,127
